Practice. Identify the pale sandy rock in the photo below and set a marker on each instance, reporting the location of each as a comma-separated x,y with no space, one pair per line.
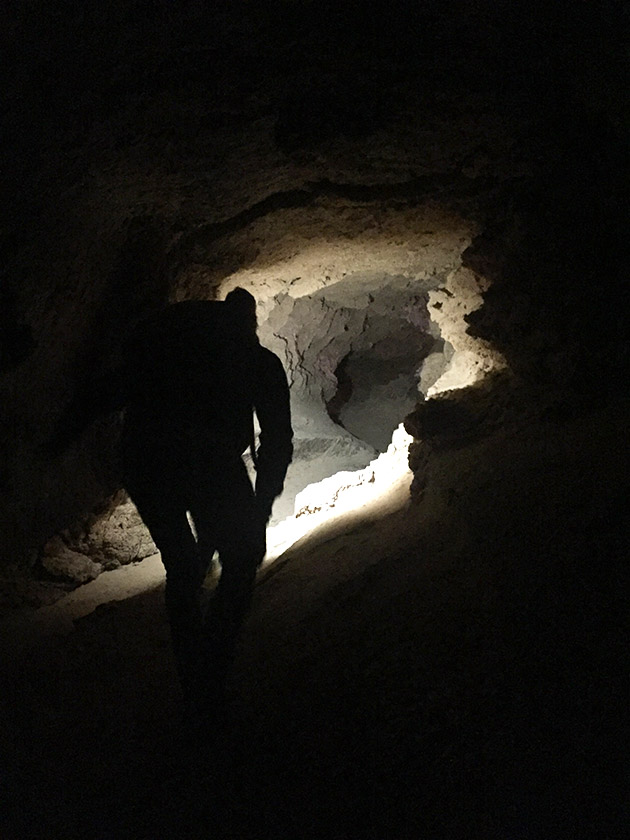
61,562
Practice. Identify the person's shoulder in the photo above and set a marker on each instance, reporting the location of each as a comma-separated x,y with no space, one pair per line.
270,373
266,353
268,359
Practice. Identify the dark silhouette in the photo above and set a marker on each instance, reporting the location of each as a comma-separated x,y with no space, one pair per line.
192,378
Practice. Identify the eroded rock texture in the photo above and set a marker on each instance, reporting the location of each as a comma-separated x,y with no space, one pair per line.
428,200
411,220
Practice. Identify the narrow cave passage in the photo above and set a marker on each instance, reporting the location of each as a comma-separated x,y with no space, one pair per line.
367,324
359,354
425,200
367,321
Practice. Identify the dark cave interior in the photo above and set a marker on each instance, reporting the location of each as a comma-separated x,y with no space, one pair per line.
429,203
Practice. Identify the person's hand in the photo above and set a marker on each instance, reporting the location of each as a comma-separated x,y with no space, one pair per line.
263,515
264,507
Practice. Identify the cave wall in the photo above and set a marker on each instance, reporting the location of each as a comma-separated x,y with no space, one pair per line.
164,156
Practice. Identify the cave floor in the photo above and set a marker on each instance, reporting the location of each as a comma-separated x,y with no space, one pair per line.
451,669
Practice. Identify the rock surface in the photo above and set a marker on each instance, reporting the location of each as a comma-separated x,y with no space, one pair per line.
447,666
61,562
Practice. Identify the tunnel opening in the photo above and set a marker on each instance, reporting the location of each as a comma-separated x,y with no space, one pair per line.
362,350
360,354
368,319
378,386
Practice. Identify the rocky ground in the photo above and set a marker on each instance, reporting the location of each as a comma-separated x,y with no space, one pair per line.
464,677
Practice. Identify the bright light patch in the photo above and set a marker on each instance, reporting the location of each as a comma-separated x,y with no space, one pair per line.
340,494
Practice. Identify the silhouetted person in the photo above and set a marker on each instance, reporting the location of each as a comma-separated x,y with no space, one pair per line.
193,376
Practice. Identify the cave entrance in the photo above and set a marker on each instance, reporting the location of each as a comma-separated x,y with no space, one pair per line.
376,388
359,354
362,297
361,292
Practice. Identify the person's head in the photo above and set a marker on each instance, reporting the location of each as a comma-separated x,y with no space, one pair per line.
242,307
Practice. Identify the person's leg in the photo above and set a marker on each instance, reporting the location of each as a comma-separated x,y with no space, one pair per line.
206,542
227,611
165,517
239,535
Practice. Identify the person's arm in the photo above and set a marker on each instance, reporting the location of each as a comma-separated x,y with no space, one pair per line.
273,410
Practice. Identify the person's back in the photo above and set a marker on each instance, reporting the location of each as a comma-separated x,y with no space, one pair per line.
192,370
